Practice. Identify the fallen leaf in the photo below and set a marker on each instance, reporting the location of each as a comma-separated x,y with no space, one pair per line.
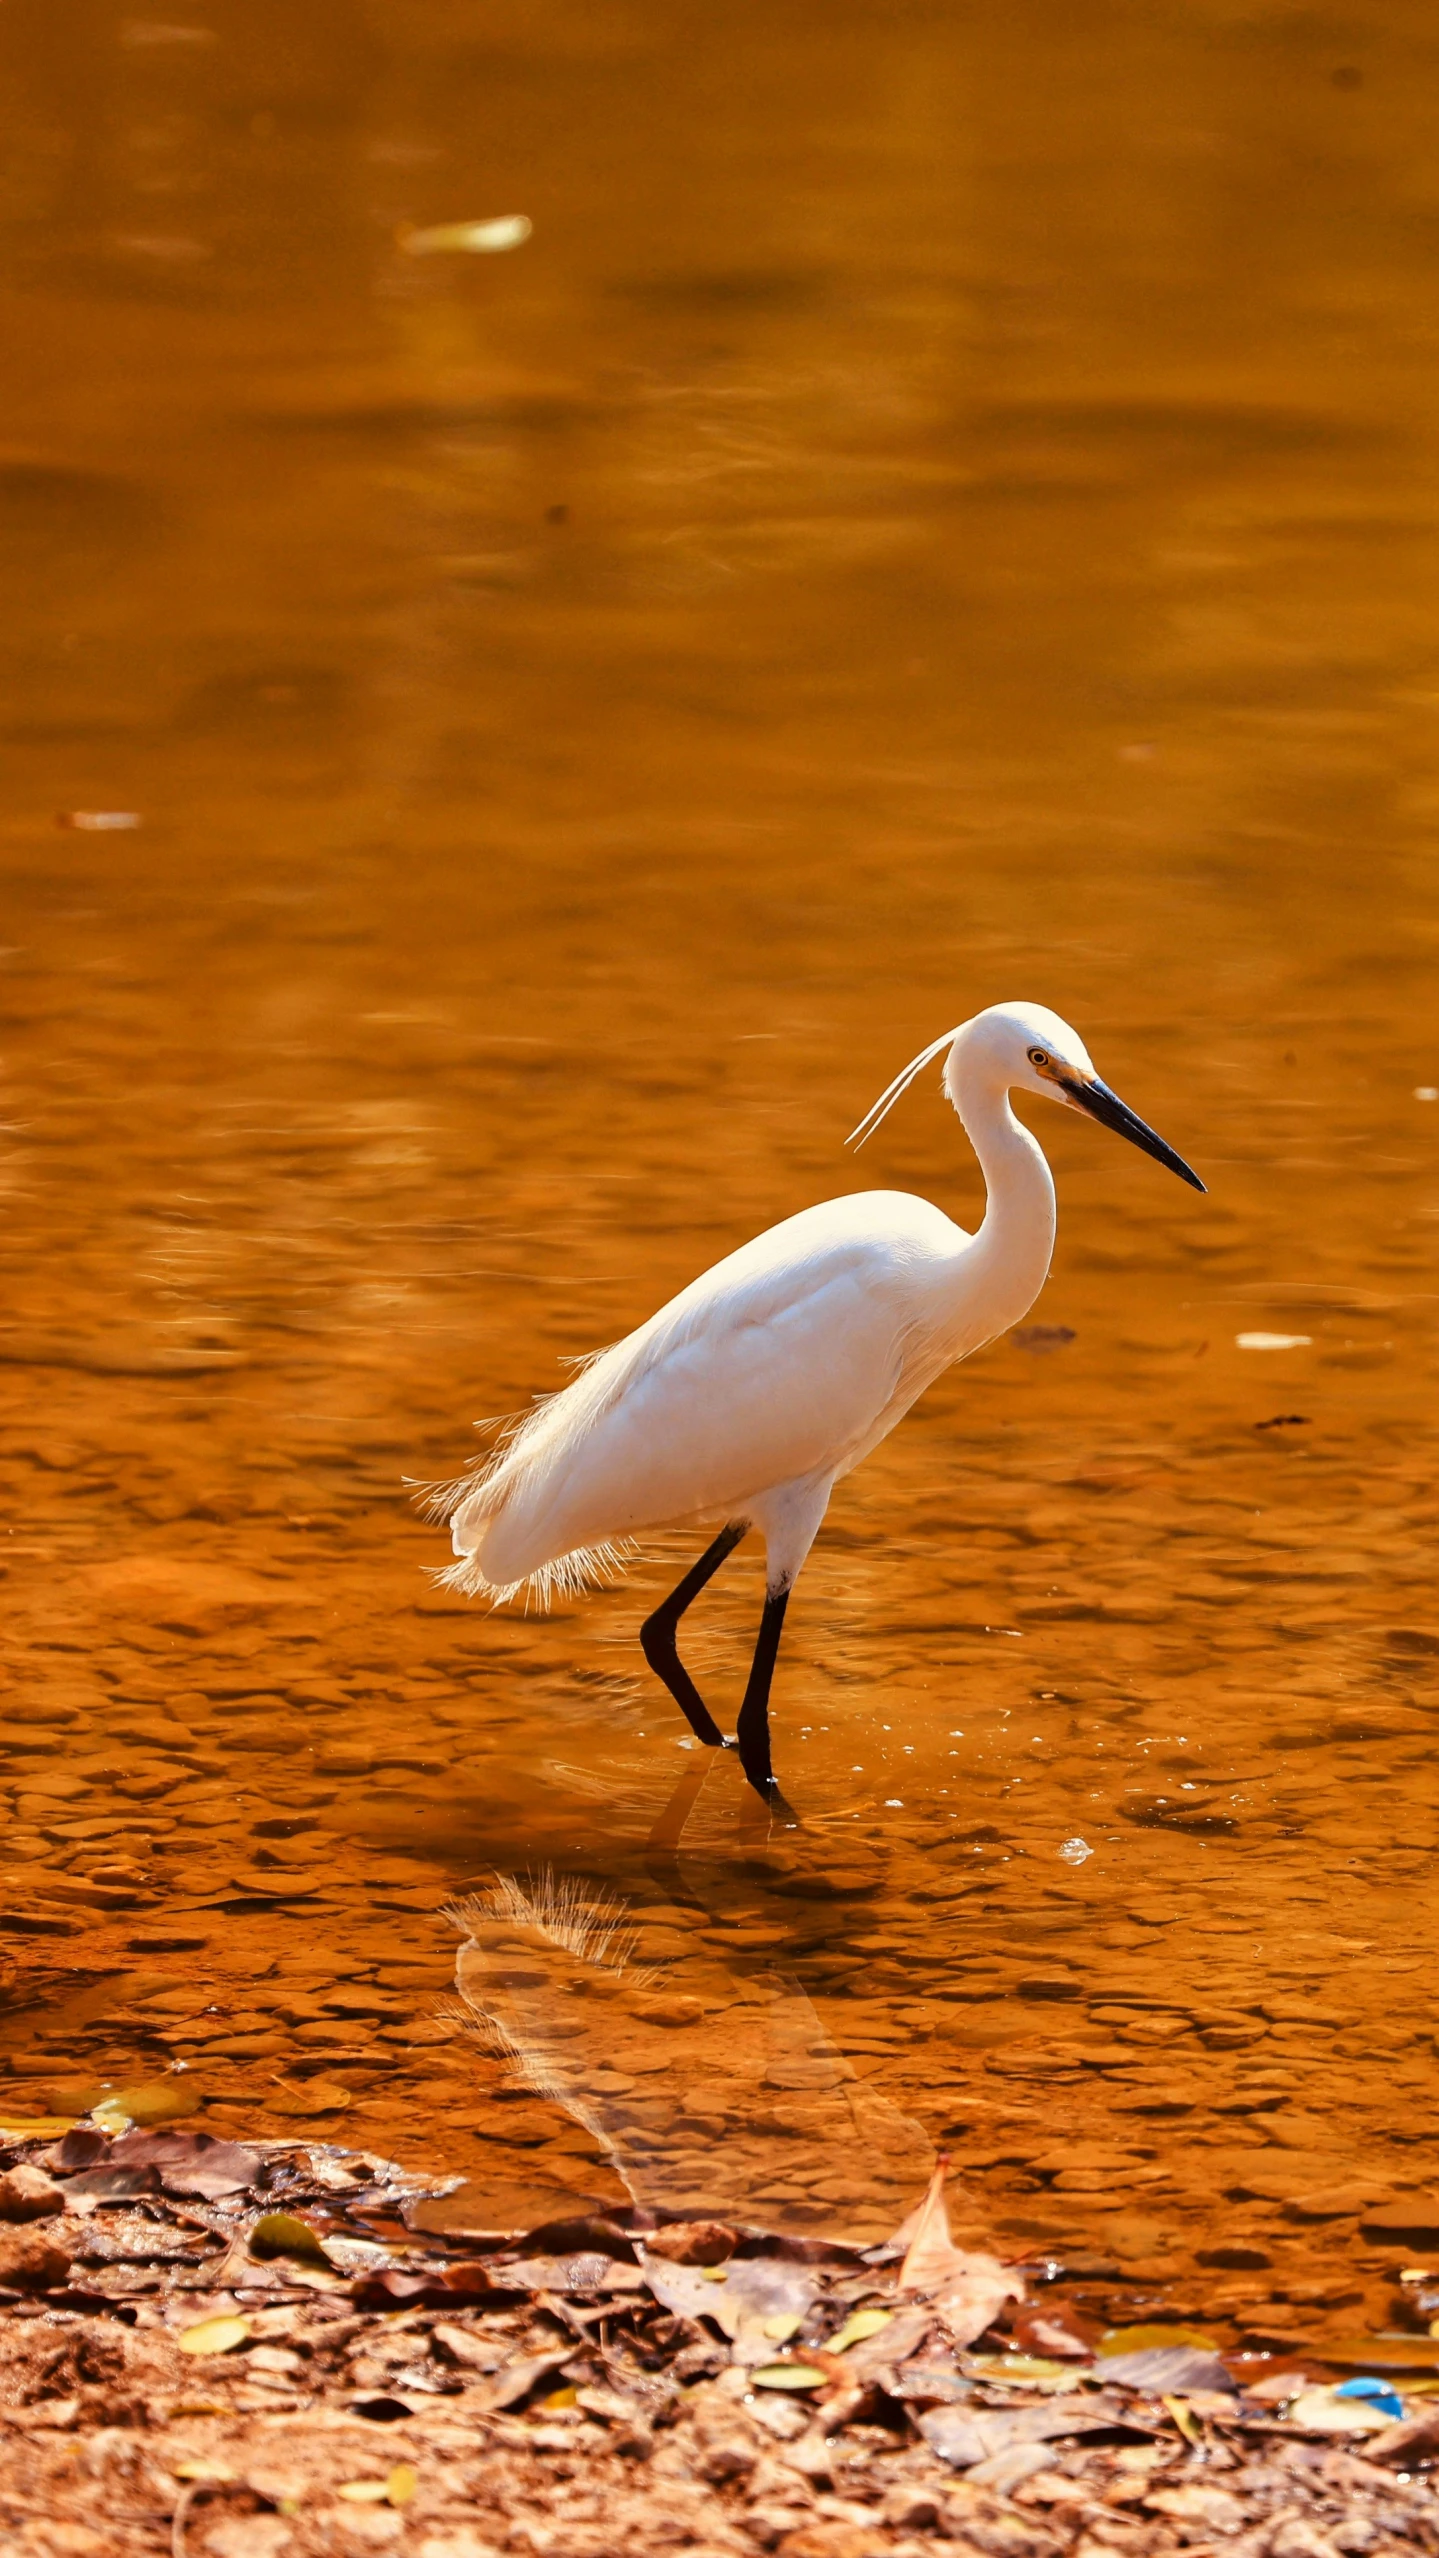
966,2435
1050,2332
516,2379
967,2290
437,2287
189,2162
285,2234
755,2290
1186,2420
1196,2501
396,2490
213,2336
213,2472
1166,2369
158,2100
1021,2371
860,2324
1401,2446
889,2348
796,2376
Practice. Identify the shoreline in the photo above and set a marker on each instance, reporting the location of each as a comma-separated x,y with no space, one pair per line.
214,2349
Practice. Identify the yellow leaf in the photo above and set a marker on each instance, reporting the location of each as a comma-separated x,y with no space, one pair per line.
859,2324
364,2491
559,2398
213,2336
401,2483
209,2469
1021,2367
286,2234
158,2100
714,2273
1185,2419
780,2328
788,2376
38,2127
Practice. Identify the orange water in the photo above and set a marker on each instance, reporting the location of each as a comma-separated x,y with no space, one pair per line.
940,508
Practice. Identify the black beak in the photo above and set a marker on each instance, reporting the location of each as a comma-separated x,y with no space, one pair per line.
1100,1103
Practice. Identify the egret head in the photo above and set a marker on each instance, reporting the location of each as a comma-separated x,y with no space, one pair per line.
1023,1048
1027,1048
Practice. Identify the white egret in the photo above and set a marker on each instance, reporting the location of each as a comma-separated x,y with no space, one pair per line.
744,1400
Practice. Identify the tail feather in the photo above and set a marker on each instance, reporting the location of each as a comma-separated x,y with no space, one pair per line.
466,1503
567,1576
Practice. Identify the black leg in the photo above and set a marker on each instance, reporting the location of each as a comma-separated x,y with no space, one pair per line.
657,1637
753,1731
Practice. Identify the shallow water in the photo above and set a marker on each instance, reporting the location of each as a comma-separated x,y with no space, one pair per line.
937,510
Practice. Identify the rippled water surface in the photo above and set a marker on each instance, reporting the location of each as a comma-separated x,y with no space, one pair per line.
942,507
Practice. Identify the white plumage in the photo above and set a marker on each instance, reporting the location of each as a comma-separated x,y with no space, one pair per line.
746,1398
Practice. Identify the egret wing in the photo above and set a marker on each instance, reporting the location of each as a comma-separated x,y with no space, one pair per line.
775,1365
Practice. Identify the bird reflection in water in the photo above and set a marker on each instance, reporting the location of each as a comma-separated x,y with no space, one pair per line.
712,2091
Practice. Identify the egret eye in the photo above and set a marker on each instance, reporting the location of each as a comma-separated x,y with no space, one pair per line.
1038,1057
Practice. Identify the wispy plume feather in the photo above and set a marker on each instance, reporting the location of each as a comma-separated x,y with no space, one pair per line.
897,1089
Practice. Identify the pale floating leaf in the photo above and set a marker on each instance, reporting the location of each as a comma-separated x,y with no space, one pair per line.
468,239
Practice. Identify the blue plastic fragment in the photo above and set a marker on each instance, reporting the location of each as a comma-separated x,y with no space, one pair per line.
1378,2392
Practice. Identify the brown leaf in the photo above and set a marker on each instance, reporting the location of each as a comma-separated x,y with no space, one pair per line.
519,2377
967,2289
437,2287
189,2162
1400,2446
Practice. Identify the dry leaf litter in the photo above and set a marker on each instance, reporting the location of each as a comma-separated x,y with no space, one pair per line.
268,2350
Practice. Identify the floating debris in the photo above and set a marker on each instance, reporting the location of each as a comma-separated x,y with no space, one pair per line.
467,239
1042,1337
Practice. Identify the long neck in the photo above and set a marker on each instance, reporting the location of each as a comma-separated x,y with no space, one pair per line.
1010,1257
